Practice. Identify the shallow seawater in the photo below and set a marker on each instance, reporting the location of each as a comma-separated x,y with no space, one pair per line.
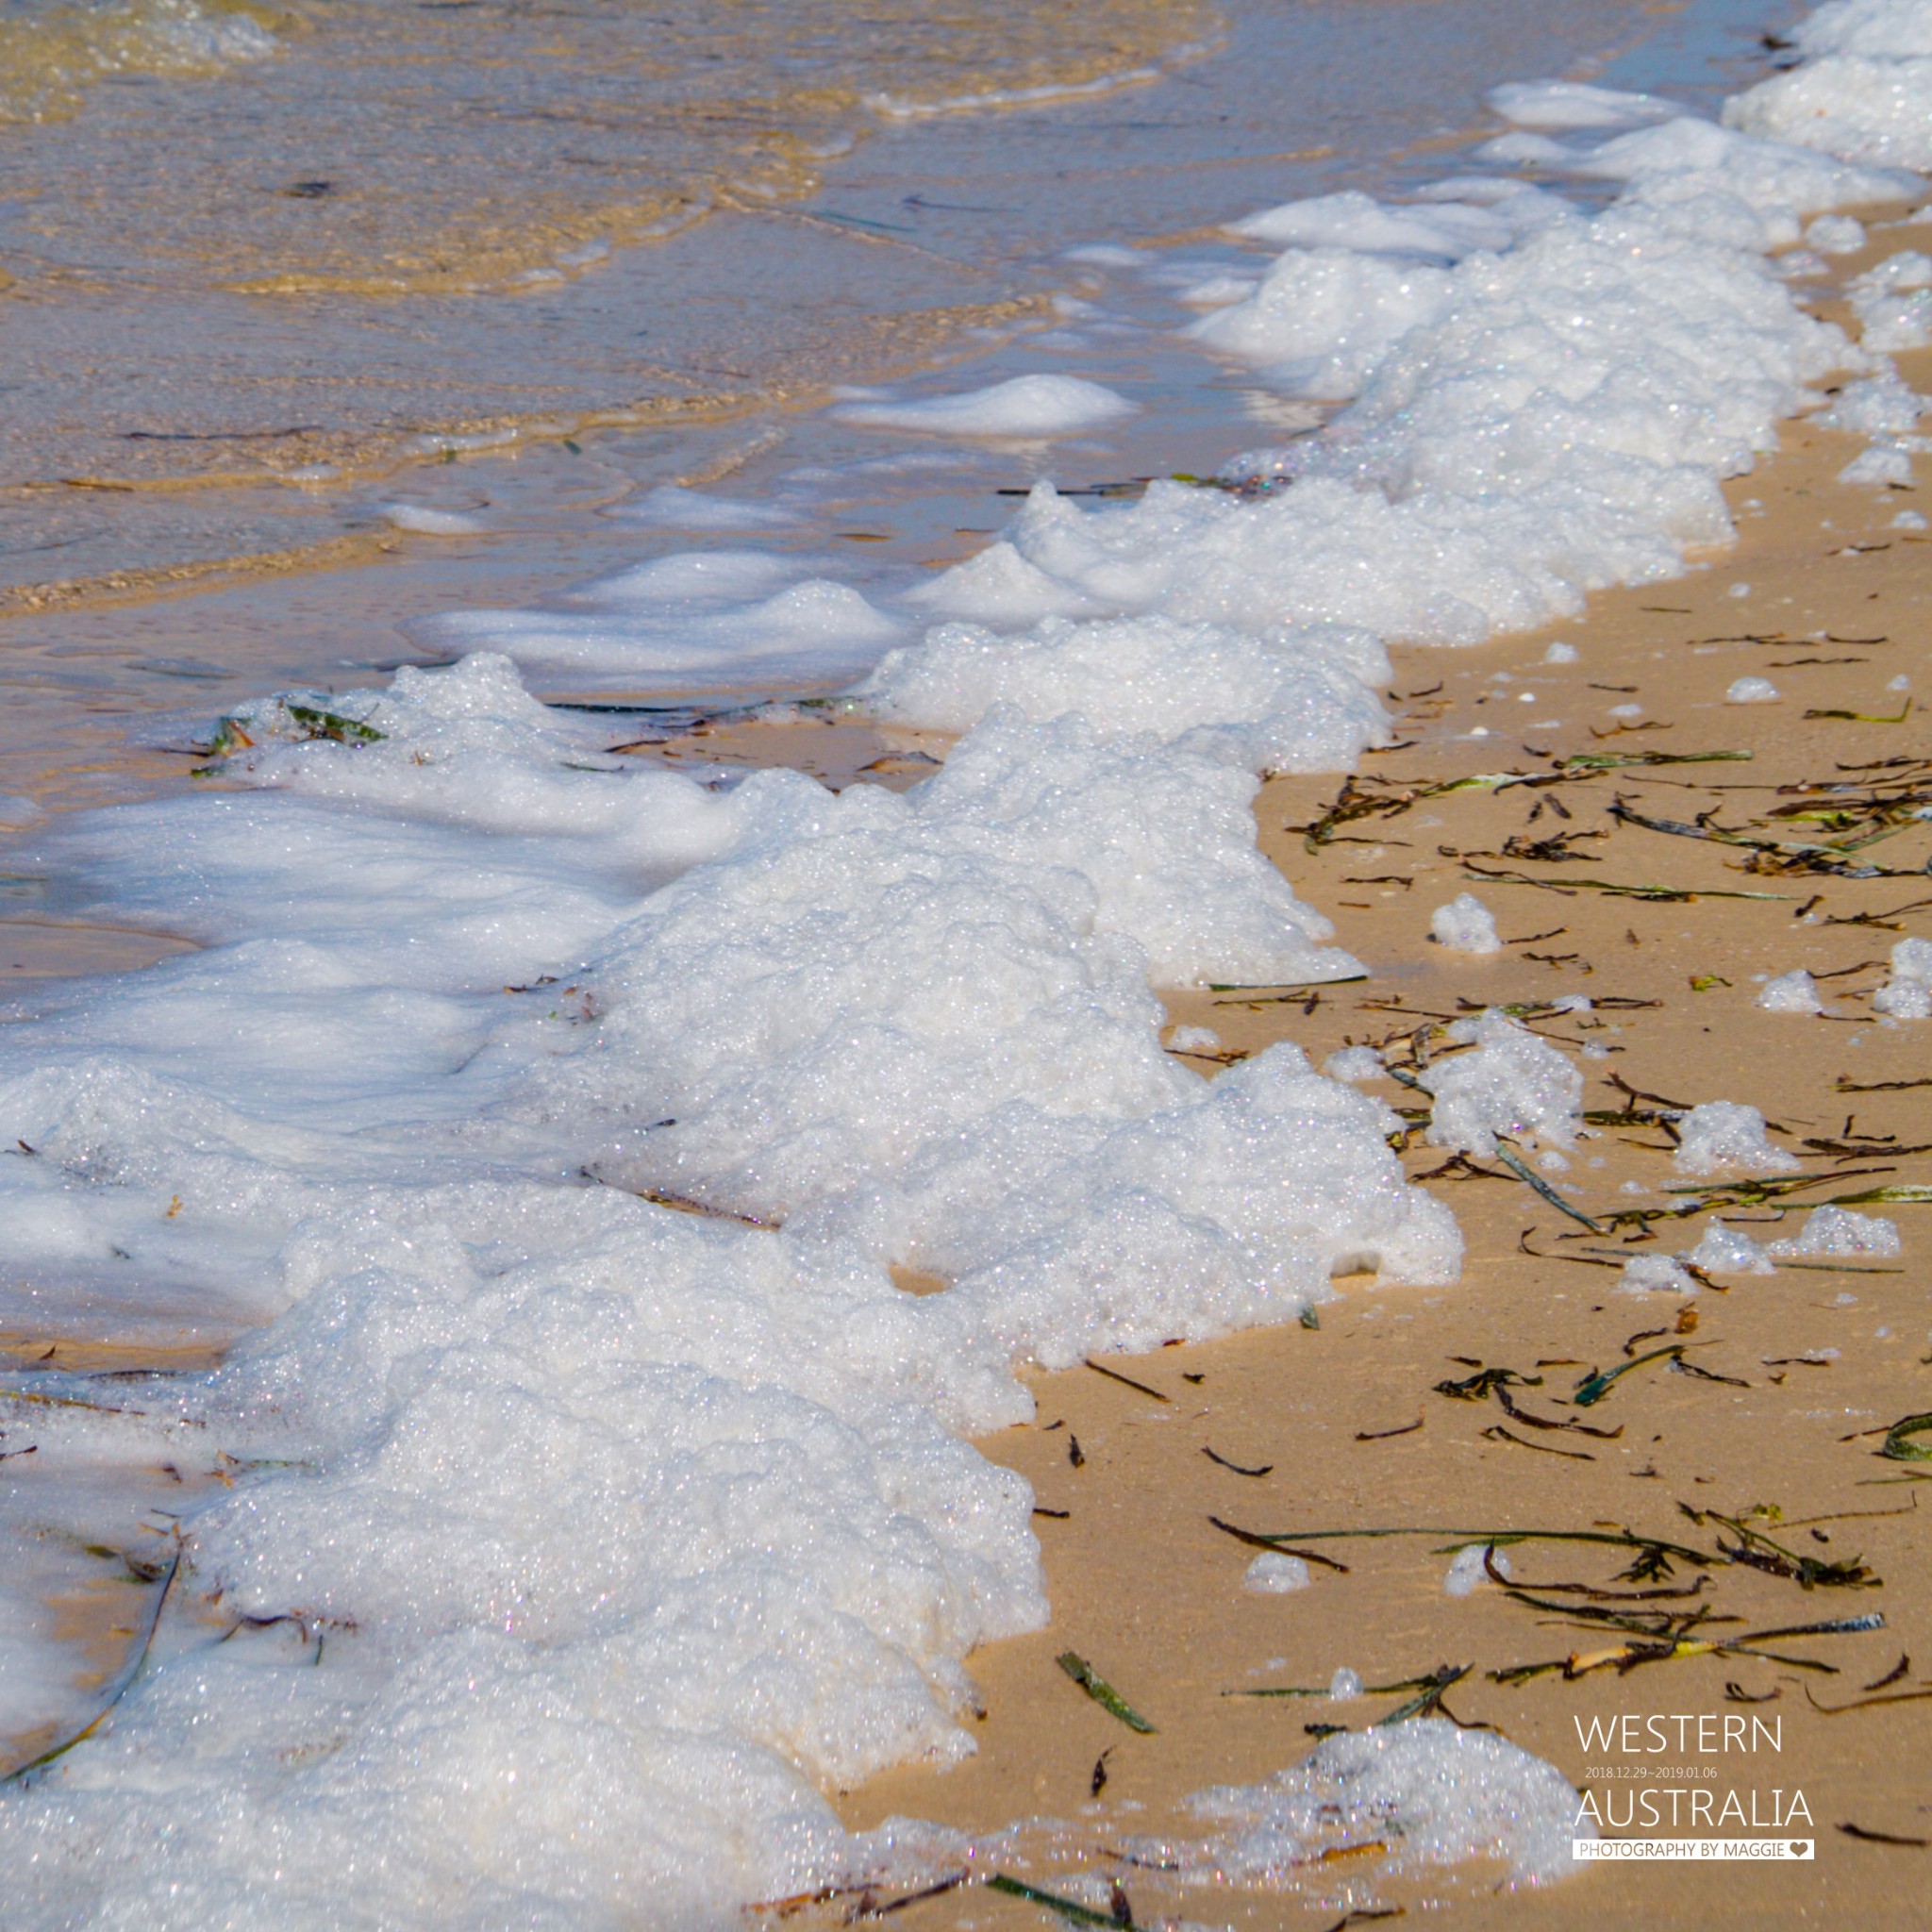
258,260
193,480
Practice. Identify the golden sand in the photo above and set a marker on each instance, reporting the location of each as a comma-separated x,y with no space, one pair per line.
1346,1419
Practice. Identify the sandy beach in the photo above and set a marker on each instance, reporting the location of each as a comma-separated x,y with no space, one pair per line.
1349,1421
542,1178
1345,1426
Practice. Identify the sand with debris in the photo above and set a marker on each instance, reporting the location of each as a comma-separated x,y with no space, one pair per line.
1771,1410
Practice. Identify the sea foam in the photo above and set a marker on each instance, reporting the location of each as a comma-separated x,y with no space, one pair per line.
593,1499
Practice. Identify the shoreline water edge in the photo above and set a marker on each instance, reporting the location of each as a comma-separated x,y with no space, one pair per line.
548,1139
247,300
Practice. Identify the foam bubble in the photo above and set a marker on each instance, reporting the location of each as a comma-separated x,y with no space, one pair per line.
1893,302
1273,1574
1723,1133
1431,1792
1907,995
1795,991
1655,1274
1839,1232
1288,700
687,621
1508,1082
1469,1569
1465,925
1024,405
1856,95
419,520
1725,1250
1355,1063
1356,222
1836,235
1559,106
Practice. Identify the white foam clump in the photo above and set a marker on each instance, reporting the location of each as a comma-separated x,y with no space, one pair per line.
1359,223
1839,1233
1403,516
1465,925
1877,29
1560,653
1290,700
1655,1274
1433,1793
640,1528
650,1521
1469,1570
1007,1121
1863,90
1354,1063
1193,1040
1725,1133
1752,690
1725,1250
1324,318
1345,1686
1272,1573
1561,105
419,520
1836,235
571,1497
690,621
1878,406
441,1491
1795,991
1907,995
1881,407
1359,276
1023,406
468,748
673,506
1673,170
1883,466
1166,841
1893,302
1512,1083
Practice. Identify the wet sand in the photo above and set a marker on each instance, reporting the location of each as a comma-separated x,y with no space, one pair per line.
54,949
1812,1364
